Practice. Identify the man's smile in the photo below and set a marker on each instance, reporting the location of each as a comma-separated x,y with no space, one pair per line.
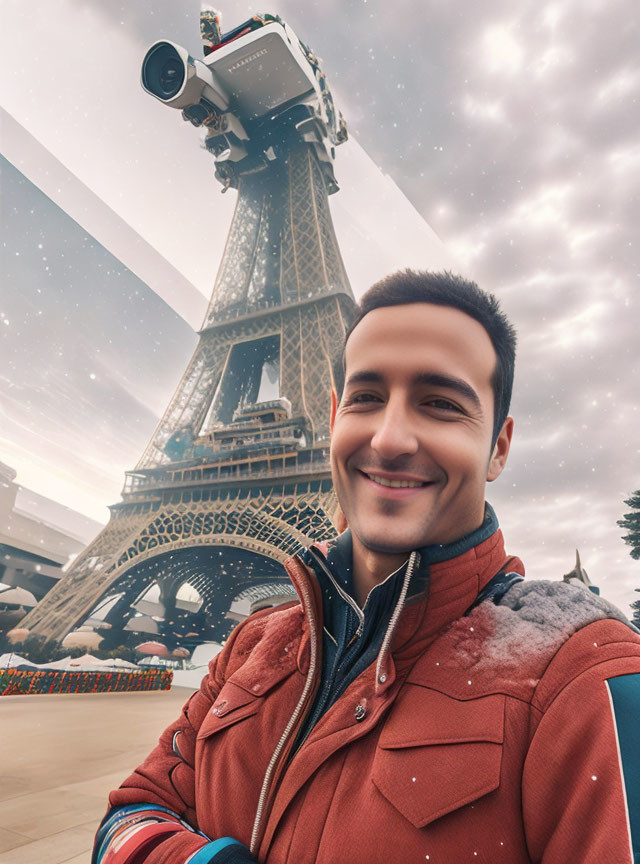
392,484
397,482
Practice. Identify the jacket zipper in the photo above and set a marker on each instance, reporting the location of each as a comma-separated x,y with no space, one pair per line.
313,662
322,695
266,783
348,599
386,642
346,596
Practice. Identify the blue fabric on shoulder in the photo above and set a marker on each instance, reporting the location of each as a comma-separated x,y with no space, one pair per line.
624,692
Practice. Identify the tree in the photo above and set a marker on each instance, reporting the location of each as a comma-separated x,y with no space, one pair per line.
636,612
39,650
631,522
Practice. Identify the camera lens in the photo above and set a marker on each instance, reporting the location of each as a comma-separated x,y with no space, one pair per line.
171,76
163,71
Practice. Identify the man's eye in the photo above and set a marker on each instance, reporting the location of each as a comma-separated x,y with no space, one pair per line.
363,398
444,405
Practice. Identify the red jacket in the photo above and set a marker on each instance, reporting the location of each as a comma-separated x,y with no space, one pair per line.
490,737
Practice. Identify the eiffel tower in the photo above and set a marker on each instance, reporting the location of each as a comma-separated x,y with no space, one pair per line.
236,476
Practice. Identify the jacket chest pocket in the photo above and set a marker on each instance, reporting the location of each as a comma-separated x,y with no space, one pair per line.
436,753
242,695
233,704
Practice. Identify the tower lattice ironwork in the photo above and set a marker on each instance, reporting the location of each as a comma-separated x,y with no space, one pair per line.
236,476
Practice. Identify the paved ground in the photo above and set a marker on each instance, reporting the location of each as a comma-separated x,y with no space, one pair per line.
60,757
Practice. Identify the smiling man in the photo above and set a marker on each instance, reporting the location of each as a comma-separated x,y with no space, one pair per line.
414,439
422,702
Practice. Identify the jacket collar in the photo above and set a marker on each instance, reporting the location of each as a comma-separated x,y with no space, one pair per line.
337,553
452,584
435,558
445,582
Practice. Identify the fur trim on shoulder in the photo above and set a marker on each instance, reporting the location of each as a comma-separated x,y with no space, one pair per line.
543,600
537,617
511,644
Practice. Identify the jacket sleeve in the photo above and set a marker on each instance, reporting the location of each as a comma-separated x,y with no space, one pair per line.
166,777
152,816
581,780
156,803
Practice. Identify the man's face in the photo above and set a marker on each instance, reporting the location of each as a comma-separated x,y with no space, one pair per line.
411,436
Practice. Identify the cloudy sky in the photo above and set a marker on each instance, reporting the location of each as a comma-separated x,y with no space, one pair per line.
512,129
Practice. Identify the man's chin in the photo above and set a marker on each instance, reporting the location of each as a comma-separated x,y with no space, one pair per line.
401,546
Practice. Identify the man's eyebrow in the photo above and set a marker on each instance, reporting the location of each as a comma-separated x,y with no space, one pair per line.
428,379
433,379
365,377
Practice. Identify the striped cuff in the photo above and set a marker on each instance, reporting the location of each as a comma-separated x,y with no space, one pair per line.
122,823
132,845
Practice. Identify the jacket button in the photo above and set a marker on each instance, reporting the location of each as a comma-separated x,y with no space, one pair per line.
382,678
361,712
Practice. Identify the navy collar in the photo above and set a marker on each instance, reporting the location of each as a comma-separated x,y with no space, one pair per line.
339,557
446,551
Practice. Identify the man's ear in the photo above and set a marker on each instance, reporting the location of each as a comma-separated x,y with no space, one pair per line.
500,451
334,408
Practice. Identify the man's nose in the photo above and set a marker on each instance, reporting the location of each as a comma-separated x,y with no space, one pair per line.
395,435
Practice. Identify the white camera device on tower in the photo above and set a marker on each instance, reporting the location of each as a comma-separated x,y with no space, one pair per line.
252,76
258,81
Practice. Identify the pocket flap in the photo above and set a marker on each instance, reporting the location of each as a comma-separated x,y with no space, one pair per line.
233,703
422,716
437,754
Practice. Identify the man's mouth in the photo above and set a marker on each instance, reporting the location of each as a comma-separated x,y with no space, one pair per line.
395,484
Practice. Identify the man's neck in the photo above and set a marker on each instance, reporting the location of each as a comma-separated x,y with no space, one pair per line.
371,568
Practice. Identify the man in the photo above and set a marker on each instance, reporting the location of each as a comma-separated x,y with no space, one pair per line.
421,702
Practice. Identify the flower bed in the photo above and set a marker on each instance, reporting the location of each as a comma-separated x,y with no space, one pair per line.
17,682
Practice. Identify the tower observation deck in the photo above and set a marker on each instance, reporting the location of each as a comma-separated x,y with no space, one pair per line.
236,476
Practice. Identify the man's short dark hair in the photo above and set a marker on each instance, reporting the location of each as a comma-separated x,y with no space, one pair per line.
447,289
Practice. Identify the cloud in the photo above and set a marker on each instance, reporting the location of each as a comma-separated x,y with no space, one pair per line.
502,49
